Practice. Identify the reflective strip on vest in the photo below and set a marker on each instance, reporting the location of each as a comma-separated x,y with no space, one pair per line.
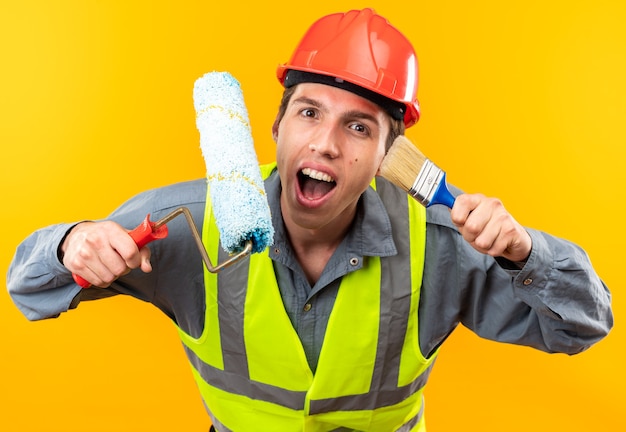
250,365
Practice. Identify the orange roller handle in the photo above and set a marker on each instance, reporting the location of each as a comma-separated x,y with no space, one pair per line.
145,233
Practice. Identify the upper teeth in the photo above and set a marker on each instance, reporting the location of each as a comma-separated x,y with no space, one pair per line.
317,175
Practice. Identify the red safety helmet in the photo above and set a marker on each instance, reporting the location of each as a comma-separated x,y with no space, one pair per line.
362,48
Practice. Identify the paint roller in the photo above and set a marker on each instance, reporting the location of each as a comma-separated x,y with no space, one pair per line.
234,179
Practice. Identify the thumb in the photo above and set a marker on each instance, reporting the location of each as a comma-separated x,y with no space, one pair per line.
145,253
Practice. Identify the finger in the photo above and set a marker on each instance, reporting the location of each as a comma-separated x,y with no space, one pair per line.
513,243
461,209
145,254
464,206
103,269
106,266
477,222
119,258
93,271
125,247
82,259
486,225
487,240
503,236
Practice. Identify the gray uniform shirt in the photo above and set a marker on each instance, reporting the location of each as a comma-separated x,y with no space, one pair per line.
554,302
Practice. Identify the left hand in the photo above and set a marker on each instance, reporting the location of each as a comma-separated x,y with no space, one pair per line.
489,228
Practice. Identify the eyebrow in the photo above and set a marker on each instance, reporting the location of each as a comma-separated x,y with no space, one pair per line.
307,101
352,114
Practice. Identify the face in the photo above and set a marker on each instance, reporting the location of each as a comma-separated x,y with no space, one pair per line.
330,143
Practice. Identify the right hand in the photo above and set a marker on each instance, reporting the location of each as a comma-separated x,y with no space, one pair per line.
100,252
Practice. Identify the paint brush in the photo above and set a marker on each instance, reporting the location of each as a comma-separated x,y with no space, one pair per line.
408,168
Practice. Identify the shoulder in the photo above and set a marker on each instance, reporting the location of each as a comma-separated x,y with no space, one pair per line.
174,195
162,200
437,216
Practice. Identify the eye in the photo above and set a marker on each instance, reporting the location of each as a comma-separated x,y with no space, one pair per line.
308,112
360,128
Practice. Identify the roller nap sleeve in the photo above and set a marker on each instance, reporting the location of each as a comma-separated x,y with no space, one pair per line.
235,184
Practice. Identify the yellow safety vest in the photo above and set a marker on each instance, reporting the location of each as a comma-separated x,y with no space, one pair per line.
251,368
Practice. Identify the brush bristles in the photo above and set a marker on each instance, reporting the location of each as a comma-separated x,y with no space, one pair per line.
402,163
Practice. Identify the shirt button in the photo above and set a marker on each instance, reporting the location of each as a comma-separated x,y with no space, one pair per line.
354,261
307,307
527,281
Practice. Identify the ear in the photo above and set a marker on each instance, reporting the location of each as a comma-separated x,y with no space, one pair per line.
275,129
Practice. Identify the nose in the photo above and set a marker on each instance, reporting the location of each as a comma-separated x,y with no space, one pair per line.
326,143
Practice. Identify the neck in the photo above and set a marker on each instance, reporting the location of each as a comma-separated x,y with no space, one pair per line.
313,247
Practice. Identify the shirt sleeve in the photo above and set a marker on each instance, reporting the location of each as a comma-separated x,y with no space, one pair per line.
41,286
555,302
572,304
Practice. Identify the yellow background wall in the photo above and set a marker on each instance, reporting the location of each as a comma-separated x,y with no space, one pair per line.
521,100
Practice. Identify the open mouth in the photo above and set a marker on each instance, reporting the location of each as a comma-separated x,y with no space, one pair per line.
315,184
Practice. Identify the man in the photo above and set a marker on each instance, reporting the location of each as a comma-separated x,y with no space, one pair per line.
336,326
